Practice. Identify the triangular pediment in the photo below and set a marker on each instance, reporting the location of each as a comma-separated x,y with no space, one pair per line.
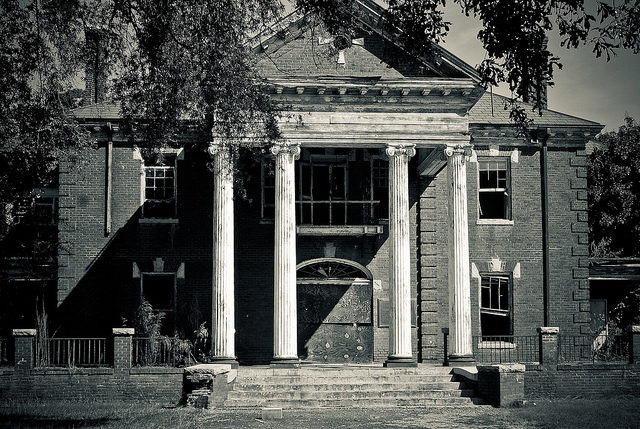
297,48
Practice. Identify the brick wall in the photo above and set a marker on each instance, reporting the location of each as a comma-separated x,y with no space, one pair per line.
87,384
568,240
518,246
96,286
302,55
583,380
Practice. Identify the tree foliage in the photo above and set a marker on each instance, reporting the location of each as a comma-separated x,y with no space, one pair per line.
35,126
614,193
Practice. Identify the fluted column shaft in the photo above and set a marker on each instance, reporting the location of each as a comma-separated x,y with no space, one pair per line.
285,322
399,257
223,332
459,281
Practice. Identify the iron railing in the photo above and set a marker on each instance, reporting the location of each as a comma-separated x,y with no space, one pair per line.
161,351
71,352
506,349
589,348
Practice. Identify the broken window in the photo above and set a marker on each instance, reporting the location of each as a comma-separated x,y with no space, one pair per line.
160,190
494,189
495,308
334,187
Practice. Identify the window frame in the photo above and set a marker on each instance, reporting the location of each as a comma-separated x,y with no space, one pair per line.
507,190
173,165
304,180
496,311
321,161
51,203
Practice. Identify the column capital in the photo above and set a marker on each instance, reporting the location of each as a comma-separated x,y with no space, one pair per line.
292,149
451,150
401,150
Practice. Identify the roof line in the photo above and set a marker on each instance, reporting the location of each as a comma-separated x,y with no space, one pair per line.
452,59
593,123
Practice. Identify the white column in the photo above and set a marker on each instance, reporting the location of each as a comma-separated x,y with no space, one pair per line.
285,320
223,320
400,350
460,349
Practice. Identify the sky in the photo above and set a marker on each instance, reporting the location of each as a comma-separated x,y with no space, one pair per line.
587,87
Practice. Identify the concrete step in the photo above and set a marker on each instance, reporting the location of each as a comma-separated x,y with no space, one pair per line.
360,403
346,386
332,371
342,379
348,395
364,385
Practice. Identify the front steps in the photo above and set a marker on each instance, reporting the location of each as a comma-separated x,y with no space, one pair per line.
347,386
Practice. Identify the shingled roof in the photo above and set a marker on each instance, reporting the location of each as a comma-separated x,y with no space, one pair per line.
482,113
104,111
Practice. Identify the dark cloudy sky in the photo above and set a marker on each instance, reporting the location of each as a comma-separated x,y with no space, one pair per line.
587,87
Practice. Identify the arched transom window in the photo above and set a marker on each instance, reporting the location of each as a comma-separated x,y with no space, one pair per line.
331,269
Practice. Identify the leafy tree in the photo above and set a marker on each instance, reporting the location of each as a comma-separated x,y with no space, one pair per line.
176,60
614,193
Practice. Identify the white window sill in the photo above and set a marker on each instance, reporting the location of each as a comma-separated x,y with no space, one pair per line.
496,345
157,220
496,222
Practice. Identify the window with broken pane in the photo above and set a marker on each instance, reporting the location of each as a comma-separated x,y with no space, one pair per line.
494,189
334,187
495,308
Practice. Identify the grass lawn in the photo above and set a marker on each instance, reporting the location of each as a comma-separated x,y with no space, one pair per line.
623,412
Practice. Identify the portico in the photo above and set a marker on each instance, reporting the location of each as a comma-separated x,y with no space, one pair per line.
436,139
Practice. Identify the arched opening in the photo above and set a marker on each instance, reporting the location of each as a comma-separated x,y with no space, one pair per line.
331,269
335,299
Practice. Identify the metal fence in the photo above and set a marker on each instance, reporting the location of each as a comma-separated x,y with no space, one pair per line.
161,351
589,348
506,349
71,352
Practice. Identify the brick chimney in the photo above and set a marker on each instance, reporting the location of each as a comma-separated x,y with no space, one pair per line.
95,74
534,89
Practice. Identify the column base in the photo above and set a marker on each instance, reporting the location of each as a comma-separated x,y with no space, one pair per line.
400,362
461,360
225,361
285,363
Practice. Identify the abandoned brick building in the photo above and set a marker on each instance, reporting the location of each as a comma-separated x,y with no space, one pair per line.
402,202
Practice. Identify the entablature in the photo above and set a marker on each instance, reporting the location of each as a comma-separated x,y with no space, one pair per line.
375,94
374,129
510,135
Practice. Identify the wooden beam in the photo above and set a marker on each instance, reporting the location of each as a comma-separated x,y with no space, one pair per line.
433,163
